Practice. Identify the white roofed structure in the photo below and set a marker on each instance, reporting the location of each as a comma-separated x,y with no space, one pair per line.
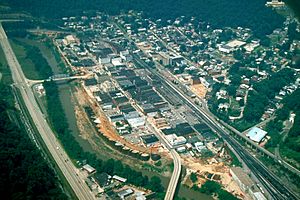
256,134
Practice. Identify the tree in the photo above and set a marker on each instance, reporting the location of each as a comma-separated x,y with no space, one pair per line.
224,195
155,184
231,89
24,172
265,41
193,177
210,187
235,79
238,54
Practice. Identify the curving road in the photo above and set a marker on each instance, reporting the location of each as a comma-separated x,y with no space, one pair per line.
170,193
59,155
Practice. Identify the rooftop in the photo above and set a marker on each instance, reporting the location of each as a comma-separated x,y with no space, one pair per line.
256,134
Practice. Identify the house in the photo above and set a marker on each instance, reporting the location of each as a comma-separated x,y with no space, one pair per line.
102,179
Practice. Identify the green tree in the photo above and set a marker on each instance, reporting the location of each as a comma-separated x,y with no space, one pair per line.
224,195
210,187
155,184
193,177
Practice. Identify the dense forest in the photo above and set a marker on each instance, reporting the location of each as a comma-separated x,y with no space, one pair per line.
252,14
24,174
59,123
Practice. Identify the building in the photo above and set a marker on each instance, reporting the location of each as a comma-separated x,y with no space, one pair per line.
246,184
200,146
149,140
174,140
275,3
225,49
103,179
89,168
256,134
125,193
136,122
164,58
116,118
235,44
69,39
120,179
181,149
125,55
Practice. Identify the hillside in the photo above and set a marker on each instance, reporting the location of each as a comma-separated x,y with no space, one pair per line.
219,13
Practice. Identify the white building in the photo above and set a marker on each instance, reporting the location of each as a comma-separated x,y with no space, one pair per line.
256,134
136,122
125,56
175,140
89,168
199,146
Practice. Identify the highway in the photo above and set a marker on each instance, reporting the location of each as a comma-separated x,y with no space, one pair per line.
269,181
62,160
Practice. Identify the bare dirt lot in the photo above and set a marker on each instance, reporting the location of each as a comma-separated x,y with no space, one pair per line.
199,90
216,172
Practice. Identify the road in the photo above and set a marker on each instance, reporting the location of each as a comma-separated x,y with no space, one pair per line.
59,155
170,192
270,182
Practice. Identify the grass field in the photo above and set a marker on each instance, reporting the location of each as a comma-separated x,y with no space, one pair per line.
26,64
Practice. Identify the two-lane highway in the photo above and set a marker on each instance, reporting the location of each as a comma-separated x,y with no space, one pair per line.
59,155
170,193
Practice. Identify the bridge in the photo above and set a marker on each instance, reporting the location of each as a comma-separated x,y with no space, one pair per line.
60,77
